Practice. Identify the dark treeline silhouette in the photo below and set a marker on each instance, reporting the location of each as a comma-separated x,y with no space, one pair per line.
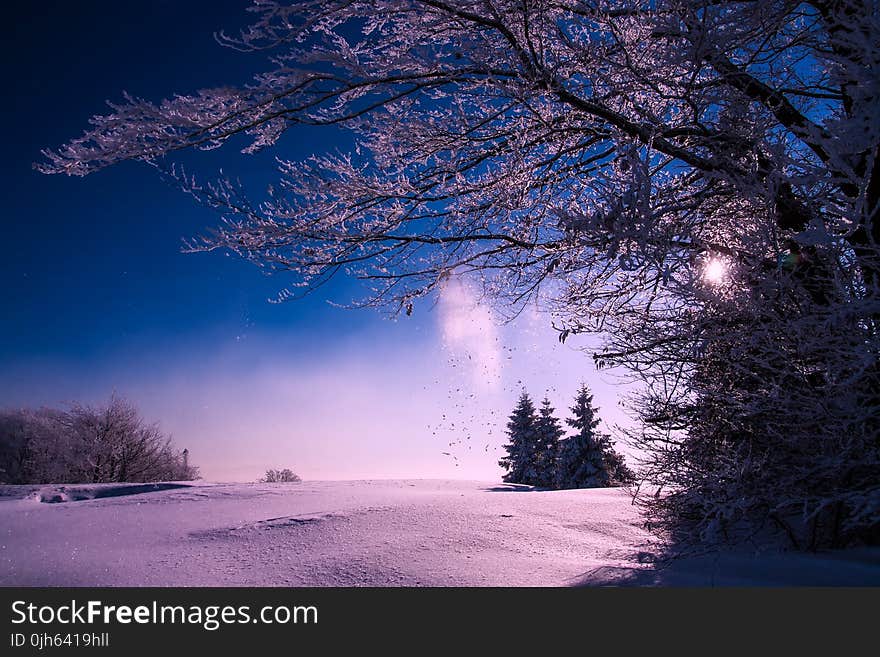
538,454
86,444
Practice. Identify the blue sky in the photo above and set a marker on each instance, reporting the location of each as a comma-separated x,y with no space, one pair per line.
99,298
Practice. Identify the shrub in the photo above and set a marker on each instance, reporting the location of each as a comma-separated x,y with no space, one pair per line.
280,476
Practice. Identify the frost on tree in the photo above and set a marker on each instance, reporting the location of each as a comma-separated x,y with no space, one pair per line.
522,446
695,179
86,444
587,458
549,432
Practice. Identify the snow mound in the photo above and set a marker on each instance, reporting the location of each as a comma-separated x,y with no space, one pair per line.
248,530
77,493
296,521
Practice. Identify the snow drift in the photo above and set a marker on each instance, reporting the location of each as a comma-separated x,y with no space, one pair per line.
363,533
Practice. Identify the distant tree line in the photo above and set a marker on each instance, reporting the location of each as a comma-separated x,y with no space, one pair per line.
87,444
539,454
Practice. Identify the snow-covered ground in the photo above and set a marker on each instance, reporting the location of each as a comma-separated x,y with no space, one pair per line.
350,533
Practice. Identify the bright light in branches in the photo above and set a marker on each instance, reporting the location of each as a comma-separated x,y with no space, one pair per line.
715,271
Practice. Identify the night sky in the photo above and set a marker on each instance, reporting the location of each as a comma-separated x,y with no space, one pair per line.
98,297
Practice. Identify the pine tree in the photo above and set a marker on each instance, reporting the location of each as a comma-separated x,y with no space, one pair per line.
521,428
549,432
587,459
619,472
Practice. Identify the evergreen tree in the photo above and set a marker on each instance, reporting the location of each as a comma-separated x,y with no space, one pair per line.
521,428
587,459
619,472
549,432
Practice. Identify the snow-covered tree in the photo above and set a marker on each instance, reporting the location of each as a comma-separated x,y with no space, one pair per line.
113,443
619,472
777,427
581,462
33,448
280,476
523,442
549,431
692,178
87,444
588,459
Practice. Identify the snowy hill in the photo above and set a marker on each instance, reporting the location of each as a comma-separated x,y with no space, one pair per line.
352,533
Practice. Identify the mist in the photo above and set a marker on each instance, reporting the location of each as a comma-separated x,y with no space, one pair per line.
425,397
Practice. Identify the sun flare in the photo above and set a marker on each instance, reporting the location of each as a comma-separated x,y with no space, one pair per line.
715,271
